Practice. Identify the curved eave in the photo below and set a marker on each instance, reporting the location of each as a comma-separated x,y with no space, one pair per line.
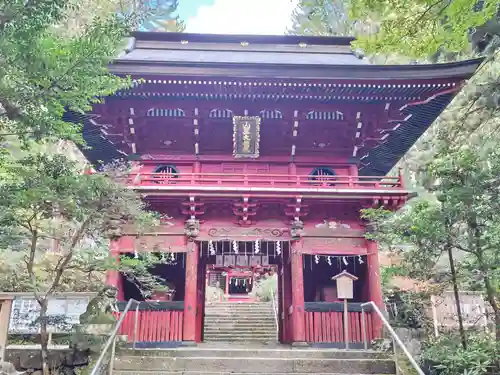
462,69
382,158
98,150
238,38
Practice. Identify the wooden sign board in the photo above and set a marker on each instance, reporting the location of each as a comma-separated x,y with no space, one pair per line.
229,260
345,285
255,260
242,260
246,136
265,260
219,260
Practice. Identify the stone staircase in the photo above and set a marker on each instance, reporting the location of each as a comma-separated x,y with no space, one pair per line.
240,322
234,359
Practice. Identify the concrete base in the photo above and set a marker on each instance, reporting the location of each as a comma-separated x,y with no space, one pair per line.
339,345
161,345
300,344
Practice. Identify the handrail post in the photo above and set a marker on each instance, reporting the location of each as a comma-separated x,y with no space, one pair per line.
112,359
110,343
136,323
395,337
395,353
363,328
346,324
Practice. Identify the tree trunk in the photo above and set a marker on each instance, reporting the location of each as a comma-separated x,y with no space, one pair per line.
463,337
44,335
490,293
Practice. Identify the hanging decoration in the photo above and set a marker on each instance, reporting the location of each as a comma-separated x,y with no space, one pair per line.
278,247
172,256
211,248
235,247
257,246
339,260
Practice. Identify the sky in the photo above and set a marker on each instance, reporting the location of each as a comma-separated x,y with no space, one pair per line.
271,17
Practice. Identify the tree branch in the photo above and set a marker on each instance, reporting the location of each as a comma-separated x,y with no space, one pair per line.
65,260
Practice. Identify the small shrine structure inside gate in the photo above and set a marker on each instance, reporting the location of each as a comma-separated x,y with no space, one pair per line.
261,151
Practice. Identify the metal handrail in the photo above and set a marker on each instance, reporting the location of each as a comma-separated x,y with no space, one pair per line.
111,342
275,310
393,333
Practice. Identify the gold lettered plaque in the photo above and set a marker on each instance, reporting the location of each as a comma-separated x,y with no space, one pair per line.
246,136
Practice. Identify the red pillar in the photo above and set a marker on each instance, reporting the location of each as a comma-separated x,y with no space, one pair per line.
113,277
298,317
375,284
191,292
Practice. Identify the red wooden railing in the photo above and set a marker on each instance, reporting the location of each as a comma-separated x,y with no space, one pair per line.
154,324
266,180
324,323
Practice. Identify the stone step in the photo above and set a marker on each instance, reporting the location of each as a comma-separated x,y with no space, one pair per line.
249,329
240,329
229,350
240,333
242,322
235,313
238,336
254,365
239,321
245,315
220,373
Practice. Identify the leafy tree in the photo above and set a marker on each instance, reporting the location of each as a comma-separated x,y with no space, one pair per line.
422,28
45,73
161,16
55,228
461,222
327,18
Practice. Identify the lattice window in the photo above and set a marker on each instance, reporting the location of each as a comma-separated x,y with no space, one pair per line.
166,174
220,113
325,115
271,114
165,112
323,175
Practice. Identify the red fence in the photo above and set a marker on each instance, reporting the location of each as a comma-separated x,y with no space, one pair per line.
156,322
266,180
325,323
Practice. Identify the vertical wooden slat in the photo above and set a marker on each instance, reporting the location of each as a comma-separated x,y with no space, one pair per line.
168,325
340,323
369,326
174,325
155,326
317,327
330,327
163,330
181,325
355,326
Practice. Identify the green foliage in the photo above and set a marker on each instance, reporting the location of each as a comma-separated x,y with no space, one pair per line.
408,309
55,224
45,73
214,294
265,288
421,28
327,18
450,358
